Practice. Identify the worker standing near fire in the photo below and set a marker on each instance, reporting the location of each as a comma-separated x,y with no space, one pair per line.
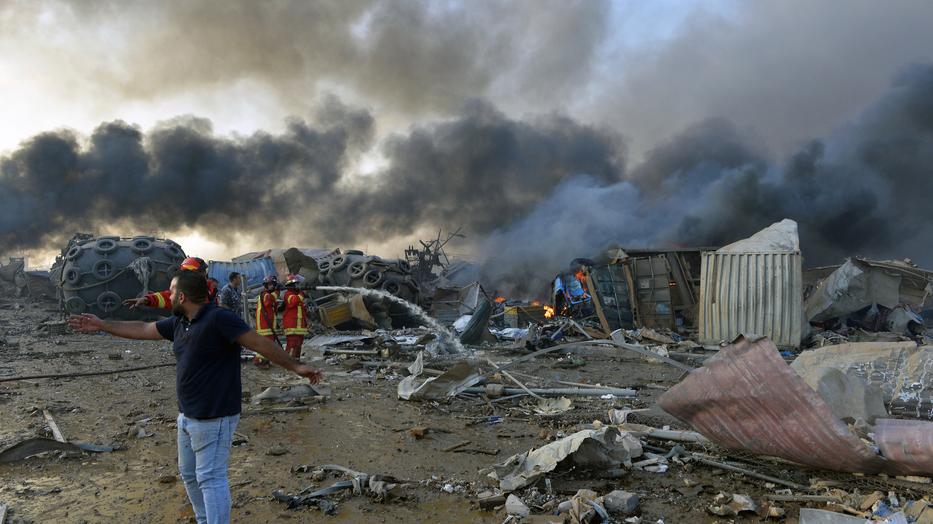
163,299
266,322
295,318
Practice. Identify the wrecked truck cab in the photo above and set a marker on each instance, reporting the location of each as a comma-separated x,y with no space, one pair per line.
568,295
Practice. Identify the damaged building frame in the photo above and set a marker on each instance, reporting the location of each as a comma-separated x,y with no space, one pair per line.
652,288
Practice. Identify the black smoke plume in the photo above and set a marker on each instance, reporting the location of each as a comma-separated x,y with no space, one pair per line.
480,170
532,194
863,190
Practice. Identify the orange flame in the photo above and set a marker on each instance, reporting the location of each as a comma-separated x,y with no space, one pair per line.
548,311
535,303
499,300
581,276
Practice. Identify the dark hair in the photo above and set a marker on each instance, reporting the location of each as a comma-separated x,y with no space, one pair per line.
233,275
192,284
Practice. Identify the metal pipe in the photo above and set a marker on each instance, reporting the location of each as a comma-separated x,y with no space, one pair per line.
558,392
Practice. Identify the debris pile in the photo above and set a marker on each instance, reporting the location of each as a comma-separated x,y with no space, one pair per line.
642,386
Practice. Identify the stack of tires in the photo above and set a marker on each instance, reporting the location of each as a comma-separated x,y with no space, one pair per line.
355,269
97,274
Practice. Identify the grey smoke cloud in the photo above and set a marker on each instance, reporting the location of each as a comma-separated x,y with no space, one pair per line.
862,190
409,58
789,69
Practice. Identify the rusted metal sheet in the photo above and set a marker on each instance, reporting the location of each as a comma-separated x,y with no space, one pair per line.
751,293
906,442
748,398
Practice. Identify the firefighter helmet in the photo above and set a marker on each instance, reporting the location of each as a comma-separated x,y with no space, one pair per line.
193,264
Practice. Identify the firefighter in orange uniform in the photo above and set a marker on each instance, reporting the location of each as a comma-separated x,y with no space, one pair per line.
266,322
162,299
295,318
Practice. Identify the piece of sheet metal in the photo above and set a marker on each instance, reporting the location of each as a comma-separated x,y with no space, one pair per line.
906,442
748,398
751,293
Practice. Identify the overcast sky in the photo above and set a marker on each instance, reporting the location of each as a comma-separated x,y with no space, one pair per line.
783,71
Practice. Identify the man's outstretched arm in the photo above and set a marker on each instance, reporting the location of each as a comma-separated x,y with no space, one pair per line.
87,323
278,356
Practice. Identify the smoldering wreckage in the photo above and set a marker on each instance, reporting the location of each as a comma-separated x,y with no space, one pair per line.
708,384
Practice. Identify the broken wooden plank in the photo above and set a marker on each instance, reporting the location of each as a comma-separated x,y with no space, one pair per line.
458,445
597,305
56,431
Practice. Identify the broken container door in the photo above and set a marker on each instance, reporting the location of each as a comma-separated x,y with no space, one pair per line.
613,293
654,307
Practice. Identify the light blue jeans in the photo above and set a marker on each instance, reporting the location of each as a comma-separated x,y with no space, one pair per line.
203,450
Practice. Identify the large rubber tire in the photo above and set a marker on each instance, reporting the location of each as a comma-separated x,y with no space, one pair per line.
142,245
75,305
103,269
373,278
392,286
106,245
108,302
73,253
73,276
339,262
357,269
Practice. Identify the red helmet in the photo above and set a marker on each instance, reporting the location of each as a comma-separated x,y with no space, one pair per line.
293,279
193,264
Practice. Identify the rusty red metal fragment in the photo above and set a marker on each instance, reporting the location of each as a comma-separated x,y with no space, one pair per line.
747,398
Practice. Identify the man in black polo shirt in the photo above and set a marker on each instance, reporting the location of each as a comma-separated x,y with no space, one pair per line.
206,342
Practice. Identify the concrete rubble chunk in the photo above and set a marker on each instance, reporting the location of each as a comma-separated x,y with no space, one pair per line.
621,502
849,396
515,506
732,505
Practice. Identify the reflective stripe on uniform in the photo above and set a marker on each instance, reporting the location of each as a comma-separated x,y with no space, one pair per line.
262,327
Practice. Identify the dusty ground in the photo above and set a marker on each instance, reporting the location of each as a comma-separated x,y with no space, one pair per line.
363,427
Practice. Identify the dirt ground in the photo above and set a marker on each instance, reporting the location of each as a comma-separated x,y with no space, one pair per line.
363,426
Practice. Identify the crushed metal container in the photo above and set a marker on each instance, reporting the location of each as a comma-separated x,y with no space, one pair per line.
753,287
253,271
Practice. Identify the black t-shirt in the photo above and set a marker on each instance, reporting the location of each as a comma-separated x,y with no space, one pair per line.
207,374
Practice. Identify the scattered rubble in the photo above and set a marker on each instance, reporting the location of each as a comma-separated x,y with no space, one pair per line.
622,398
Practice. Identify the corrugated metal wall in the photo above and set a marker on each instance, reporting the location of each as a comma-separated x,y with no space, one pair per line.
751,293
